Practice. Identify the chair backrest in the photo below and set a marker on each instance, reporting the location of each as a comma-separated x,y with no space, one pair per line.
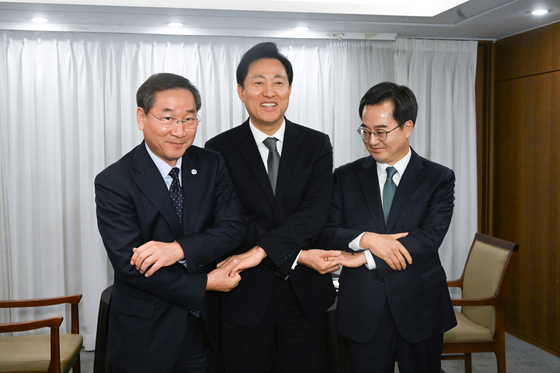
101,363
484,275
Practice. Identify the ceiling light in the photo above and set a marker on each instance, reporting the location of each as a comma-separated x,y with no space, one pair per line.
175,24
301,28
539,12
39,20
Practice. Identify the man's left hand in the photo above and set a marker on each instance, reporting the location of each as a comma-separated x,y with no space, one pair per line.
156,254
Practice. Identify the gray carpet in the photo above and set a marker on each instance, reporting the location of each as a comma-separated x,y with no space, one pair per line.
521,357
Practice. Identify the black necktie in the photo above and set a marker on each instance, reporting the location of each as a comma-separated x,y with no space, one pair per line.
273,161
176,193
389,191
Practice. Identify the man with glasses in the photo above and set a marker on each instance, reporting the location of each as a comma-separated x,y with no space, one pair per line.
167,212
391,211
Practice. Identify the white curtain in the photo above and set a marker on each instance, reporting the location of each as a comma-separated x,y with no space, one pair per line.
68,111
442,75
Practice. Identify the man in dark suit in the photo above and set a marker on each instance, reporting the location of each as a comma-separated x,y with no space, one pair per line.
286,288
167,212
391,211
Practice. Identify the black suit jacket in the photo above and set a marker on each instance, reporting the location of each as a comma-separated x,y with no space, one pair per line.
148,315
282,224
422,206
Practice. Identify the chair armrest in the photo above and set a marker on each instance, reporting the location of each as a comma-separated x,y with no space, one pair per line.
473,302
455,283
24,326
73,300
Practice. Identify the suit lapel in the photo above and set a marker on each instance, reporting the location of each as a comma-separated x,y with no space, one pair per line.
410,180
370,187
192,181
248,149
290,150
153,186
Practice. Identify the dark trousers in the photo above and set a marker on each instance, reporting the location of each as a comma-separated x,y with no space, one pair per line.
300,343
387,346
196,354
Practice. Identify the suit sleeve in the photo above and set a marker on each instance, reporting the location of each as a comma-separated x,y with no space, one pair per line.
425,238
336,235
296,231
225,231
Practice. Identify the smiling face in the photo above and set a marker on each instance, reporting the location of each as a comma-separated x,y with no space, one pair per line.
168,144
395,146
266,94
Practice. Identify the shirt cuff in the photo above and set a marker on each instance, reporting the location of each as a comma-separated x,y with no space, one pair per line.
183,262
295,262
355,246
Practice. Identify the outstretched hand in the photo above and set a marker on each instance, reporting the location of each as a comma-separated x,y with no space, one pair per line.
220,280
244,261
323,261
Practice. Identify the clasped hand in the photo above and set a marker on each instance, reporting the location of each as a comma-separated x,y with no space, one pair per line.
153,255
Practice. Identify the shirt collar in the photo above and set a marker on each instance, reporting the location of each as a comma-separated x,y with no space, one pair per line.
261,136
400,165
163,167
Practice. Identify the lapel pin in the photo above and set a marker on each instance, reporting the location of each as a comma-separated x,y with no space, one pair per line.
194,172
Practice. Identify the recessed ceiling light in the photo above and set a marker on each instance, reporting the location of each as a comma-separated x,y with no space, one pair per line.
301,28
175,24
539,12
39,20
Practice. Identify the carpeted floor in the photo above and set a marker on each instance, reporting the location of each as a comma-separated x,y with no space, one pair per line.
521,357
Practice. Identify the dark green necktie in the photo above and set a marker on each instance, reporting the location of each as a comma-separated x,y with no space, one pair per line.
389,191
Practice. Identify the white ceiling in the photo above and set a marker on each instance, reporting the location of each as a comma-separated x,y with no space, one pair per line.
351,19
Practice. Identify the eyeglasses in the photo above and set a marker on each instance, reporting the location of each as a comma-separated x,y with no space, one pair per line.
170,122
379,134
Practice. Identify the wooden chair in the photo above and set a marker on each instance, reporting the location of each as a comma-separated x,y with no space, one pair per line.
481,321
51,353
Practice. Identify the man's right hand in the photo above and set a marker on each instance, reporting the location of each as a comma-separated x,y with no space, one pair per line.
387,248
221,280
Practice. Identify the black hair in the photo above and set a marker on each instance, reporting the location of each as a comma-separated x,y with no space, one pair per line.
405,106
146,94
259,52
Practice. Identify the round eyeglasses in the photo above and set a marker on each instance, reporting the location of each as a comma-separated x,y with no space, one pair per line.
379,134
170,122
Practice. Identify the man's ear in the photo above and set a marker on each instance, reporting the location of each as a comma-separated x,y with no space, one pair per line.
140,117
240,93
408,126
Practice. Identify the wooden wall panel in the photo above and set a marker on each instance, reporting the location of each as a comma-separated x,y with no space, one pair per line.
529,53
527,199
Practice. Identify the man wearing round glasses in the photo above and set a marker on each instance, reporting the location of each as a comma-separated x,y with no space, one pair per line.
167,213
391,212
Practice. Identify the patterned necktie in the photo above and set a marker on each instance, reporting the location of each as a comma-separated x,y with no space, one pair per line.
273,161
176,193
389,191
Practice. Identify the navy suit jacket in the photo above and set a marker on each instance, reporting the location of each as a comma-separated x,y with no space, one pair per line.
148,315
282,224
422,206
